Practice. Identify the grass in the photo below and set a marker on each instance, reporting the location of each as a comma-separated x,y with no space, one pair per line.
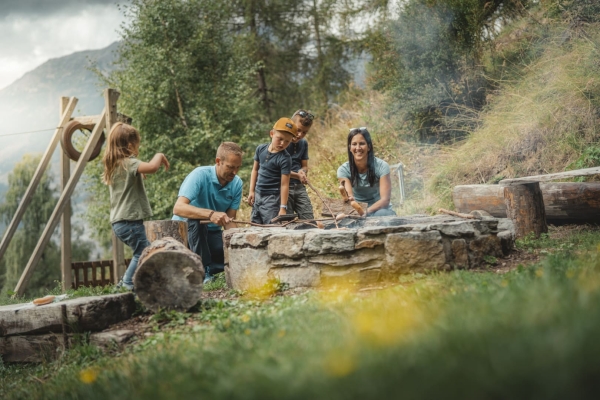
531,332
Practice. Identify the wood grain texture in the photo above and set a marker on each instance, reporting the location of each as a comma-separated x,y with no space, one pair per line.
84,314
525,207
551,177
564,202
159,229
169,276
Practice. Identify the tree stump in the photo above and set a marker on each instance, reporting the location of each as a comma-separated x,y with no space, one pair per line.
525,207
167,228
168,276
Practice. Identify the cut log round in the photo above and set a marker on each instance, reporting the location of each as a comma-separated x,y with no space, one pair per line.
525,207
178,230
66,140
564,202
168,276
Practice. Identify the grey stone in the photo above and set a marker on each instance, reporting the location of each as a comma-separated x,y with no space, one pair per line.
287,245
248,268
355,258
378,230
460,253
297,277
251,239
480,247
288,262
414,251
455,229
326,242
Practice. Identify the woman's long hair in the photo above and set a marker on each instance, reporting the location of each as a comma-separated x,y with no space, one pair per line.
117,149
370,159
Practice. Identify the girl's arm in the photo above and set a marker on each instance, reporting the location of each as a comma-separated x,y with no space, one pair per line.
153,165
348,186
285,192
253,177
385,192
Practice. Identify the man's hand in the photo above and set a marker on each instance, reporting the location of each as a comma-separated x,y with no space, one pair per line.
302,176
251,198
220,218
282,211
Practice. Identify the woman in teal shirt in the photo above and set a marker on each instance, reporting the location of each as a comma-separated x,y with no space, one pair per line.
366,177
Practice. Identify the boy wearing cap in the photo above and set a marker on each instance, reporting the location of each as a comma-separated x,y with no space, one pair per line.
270,178
298,201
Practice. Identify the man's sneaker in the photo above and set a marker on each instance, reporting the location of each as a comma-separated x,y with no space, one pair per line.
122,284
208,278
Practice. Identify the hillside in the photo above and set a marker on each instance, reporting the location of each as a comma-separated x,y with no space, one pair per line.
31,102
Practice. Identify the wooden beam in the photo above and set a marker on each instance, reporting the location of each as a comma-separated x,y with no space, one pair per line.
111,96
65,222
88,119
37,177
60,206
550,177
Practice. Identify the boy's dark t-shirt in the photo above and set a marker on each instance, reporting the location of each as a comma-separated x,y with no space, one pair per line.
298,152
272,166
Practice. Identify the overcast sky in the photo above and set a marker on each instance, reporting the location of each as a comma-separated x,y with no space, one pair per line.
34,31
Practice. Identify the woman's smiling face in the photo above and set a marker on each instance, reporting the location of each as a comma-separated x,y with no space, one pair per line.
359,148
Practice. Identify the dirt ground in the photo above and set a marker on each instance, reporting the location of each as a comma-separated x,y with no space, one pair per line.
143,326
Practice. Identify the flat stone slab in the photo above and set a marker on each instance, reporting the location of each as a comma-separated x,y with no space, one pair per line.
84,314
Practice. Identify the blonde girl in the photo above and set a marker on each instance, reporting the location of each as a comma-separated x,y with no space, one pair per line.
124,173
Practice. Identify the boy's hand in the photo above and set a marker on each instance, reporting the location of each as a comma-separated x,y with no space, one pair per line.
251,198
282,211
220,218
302,176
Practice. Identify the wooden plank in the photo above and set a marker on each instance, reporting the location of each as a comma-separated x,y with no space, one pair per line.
85,314
88,119
65,221
551,177
111,97
58,209
37,177
339,206
565,202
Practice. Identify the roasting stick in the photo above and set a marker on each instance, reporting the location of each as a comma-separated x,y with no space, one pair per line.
326,205
456,214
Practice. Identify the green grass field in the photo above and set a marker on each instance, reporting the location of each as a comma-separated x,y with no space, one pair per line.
530,333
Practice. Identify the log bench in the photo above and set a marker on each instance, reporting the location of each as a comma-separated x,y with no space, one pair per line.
524,201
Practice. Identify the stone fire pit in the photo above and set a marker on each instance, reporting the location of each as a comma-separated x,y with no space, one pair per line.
364,251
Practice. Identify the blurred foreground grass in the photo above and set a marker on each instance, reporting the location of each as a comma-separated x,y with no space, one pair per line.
530,333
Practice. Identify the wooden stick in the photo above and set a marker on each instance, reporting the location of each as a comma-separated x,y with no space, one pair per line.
323,201
456,214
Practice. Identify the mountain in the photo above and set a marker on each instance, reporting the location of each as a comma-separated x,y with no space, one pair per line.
32,102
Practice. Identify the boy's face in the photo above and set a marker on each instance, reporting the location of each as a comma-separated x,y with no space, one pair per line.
302,130
280,140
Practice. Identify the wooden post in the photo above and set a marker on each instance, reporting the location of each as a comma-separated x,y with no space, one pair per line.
525,207
118,251
178,230
37,177
58,209
65,222
168,276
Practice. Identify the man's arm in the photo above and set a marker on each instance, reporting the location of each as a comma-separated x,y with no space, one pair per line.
184,209
231,213
253,178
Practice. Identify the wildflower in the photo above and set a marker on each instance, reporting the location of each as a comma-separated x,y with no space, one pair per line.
88,375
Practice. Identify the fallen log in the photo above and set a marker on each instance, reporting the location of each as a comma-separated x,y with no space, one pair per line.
564,202
159,229
168,276
83,314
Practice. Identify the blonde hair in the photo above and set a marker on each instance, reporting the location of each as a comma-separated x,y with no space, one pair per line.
227,148
118,148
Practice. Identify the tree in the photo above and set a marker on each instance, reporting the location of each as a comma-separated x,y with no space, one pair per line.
32,225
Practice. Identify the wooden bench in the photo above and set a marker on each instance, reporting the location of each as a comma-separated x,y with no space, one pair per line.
524,201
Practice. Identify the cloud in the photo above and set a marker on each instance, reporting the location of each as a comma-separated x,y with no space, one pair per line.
28,39
49,7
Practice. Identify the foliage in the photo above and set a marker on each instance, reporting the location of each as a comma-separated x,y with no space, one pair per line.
32,225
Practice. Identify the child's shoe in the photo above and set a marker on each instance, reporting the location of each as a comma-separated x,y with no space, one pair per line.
122,285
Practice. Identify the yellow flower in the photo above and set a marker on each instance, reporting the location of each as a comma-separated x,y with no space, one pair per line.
281,333
88,375
539,273
247,331
245,318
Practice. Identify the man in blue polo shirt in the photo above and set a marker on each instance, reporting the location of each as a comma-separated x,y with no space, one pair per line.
211,193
